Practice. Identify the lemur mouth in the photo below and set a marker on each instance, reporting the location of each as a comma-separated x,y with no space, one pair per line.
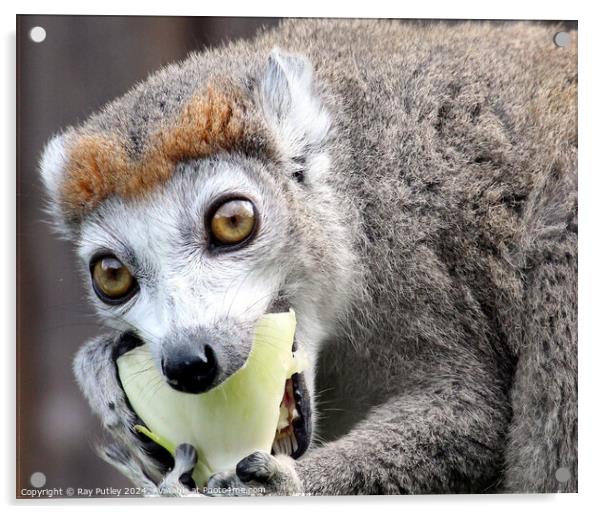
294,429
293,433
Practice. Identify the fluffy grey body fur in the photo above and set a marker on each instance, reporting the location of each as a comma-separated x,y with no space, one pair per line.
431,251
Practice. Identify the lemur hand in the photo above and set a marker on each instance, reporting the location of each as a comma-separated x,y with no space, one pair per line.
145,463
259,474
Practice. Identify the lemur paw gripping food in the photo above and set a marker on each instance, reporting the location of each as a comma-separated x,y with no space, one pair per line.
230,421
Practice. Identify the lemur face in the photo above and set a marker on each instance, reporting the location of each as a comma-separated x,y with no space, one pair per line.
197,206
193,265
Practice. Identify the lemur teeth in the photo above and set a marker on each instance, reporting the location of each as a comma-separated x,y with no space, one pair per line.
287,445
294,442
278,447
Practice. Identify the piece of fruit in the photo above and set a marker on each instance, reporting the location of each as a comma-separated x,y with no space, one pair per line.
231,420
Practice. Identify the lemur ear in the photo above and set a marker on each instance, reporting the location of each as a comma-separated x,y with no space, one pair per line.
294,112
52,170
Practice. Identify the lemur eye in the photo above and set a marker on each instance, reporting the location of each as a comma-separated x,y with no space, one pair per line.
112,281
233,222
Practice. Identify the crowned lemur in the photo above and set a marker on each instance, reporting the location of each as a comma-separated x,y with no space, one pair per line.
409,189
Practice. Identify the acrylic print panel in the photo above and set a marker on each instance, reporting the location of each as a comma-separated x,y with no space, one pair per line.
407,188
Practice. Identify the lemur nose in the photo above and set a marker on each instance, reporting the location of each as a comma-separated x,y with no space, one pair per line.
190,373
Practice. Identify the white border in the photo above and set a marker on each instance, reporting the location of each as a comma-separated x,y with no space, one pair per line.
590,355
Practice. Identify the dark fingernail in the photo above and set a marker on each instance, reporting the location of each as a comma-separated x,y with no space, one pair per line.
253,468
125,343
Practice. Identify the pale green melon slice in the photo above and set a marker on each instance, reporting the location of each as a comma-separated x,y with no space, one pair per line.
228,422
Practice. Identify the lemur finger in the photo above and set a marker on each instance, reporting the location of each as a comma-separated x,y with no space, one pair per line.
96,374
179,482
258,467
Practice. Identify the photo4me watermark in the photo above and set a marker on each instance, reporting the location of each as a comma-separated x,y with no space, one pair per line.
38,481
78,492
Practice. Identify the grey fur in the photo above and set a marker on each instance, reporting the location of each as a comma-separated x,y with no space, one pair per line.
439,248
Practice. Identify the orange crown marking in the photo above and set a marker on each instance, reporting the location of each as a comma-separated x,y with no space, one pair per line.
99,165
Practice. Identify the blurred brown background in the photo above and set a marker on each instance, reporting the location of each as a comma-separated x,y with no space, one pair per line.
84,62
